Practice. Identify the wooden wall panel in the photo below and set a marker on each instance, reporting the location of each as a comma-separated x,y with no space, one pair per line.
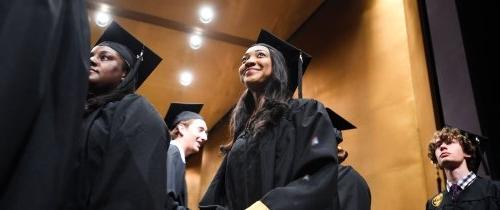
421,87
368,65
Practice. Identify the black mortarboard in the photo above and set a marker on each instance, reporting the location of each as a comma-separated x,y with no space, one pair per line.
178,112
296,59
141,60
339,123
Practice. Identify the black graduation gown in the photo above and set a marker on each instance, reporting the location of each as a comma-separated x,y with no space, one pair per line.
353,191
44,60
291,166
176,183
122,159
482,194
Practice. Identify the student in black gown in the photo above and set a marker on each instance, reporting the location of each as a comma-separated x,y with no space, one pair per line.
125,140
188,131
453,151
353,191
43,84
283,151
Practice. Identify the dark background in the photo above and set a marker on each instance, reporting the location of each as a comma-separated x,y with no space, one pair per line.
460,47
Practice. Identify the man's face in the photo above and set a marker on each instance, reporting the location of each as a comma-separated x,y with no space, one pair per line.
195,134
450,154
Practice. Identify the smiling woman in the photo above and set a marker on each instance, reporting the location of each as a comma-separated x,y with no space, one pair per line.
282,153
255,67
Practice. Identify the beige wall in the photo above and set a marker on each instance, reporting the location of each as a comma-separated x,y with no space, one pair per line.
369,66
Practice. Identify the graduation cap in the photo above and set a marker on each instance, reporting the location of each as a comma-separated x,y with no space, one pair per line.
339,123
178,112
140,59
296,59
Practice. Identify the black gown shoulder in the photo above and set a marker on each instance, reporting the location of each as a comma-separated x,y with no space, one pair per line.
353,190
123,153
481,194
44,76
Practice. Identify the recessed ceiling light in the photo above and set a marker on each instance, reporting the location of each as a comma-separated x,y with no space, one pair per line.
206,14
104,8
102,19
195,41
186,78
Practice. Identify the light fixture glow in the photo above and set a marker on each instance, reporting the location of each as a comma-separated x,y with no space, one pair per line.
206,14
195,41
186,78
102,19
104,8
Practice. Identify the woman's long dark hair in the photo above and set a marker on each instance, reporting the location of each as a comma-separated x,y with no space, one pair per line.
97,98
274,106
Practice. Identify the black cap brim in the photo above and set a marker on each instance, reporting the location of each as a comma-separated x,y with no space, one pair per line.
177,108
474,137
116,33
339,123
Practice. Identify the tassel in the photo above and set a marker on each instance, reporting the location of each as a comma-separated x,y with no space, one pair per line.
132,75
439,181
299,76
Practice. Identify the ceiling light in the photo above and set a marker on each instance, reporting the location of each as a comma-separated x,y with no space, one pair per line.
206,14
186,78
102,19
104,8
195,41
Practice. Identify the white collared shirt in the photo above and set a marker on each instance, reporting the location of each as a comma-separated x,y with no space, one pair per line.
181,150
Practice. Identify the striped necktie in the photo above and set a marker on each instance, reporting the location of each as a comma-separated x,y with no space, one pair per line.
455,191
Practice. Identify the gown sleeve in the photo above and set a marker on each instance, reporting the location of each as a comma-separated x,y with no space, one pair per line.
176,188
314,184
353,191
214,198
44,76
133,167
428,205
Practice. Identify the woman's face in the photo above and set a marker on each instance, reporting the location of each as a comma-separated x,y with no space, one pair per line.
106,67
256,66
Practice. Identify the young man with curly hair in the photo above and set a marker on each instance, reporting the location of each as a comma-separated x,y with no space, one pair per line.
452,150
